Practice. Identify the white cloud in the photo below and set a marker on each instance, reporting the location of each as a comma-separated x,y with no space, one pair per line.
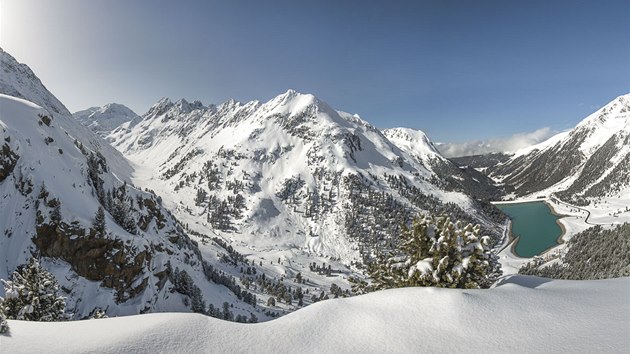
509,144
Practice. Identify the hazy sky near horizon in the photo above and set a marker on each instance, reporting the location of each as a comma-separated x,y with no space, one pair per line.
459,70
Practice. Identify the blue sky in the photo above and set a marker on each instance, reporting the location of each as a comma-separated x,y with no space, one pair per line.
459,70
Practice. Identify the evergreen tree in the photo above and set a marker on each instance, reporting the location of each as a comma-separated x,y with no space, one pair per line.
97,314
185,285
109,202
437,252
98,227
121,211
227,314
32,295
43,193
55,215
4,326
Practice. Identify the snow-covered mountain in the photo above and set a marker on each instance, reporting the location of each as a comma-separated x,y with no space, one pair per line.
292,177
55,174
585,164
103,120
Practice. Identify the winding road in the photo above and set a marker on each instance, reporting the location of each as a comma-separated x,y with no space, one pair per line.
588,213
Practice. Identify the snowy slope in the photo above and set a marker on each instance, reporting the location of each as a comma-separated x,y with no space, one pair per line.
54,175
412,140
103,120
290,178
18,80
587,164
524,314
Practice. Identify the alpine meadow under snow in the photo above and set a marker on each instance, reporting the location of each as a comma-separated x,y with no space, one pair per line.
260,211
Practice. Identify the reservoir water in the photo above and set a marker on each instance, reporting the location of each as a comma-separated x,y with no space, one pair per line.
535,225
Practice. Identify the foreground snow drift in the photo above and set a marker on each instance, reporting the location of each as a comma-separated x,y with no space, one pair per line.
523,314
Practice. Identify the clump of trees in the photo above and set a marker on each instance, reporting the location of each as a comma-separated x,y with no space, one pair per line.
594,253
185,285
434,251
32,294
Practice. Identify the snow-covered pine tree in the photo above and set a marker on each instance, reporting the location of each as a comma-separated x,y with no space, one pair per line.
4,325
434,251
185,285
123,215
98,226
97,314
32,294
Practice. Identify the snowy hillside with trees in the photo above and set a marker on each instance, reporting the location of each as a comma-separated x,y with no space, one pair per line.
67,198
292,179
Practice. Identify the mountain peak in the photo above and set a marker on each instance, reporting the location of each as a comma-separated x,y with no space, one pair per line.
103,120
292,102
18,80
117,108
164,101
230,104
414,139
160,107
613,119
292,94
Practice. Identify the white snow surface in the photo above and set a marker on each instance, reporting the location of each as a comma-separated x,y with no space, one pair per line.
523,314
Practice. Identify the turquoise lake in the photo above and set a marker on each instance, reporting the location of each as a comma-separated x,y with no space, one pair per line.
535,225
